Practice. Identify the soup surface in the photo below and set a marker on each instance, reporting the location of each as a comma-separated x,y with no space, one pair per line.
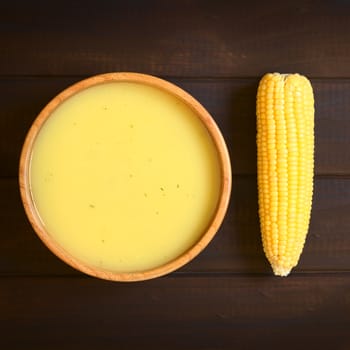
124,176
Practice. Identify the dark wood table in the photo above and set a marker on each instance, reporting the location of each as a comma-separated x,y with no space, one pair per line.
217,50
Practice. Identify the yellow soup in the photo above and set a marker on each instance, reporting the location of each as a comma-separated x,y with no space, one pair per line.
125,177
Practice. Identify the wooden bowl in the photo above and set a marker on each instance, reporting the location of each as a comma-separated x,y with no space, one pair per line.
205,118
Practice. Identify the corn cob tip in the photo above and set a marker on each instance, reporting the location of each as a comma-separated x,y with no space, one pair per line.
281,271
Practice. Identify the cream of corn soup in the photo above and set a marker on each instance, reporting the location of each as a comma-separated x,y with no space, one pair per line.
124,176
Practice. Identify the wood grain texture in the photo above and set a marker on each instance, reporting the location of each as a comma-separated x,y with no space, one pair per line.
216,50
176,313
235,249
181,38
231,102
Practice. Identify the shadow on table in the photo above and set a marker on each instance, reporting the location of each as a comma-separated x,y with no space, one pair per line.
242,217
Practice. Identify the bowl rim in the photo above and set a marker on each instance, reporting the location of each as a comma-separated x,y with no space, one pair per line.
213,130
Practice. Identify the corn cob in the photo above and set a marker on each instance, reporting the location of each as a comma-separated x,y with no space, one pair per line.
285,144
